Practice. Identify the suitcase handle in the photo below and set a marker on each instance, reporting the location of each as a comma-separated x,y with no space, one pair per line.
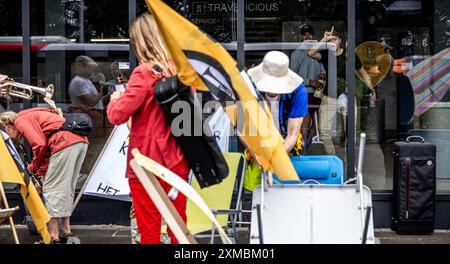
311,180
415,138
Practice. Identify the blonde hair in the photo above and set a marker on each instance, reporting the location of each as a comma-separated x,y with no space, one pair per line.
8,118
149,46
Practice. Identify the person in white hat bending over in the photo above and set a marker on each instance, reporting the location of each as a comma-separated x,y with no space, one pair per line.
286,95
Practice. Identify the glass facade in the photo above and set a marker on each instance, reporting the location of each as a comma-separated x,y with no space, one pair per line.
216,18
276,25
412,95
10,35
402,45
67,31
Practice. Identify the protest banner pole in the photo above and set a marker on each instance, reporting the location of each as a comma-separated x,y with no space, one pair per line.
163,204
164,174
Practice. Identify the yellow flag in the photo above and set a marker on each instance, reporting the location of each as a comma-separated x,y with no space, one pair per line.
204,64
9,172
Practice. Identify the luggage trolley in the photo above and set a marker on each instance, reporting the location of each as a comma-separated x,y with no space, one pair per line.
305,213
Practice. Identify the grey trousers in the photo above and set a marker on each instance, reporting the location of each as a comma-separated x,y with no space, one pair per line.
61,179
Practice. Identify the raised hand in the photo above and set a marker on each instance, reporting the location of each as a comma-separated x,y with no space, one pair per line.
328,35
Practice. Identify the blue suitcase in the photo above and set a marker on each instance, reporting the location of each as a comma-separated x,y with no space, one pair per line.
322,169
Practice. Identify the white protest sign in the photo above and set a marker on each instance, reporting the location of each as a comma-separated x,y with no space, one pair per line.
220,128
107,178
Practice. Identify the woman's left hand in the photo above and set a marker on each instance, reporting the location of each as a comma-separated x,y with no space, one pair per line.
115,95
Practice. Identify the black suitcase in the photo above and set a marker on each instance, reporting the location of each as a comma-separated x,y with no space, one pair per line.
201,151
414,186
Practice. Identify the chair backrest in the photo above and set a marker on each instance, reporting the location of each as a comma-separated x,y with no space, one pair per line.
6,213
217,197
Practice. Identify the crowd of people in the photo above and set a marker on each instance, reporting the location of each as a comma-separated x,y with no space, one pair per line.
294,88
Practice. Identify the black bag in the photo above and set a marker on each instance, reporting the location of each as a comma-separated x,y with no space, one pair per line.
201,151
414,186
78,123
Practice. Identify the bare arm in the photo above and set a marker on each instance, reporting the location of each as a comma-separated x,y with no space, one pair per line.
365,78
90,100
293,130
314,53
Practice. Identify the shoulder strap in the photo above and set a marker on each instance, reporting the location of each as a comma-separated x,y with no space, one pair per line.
54,131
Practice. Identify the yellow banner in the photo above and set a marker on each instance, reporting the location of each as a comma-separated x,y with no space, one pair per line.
204,64
11,174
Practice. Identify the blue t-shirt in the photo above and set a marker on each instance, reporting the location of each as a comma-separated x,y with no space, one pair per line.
293,105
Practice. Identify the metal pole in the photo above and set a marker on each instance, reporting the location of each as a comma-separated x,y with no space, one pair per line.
81,21
26,47
366,225
240,32
359,180
260,223
131,18
234,144
362,145
240,188
351,89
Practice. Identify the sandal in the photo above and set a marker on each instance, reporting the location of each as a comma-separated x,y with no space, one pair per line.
54,241
64,236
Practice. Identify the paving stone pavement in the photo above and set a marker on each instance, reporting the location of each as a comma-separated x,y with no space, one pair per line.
112,234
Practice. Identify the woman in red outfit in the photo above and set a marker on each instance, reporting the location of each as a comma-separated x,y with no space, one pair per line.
149,131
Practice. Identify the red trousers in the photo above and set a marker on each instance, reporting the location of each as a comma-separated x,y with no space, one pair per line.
147,215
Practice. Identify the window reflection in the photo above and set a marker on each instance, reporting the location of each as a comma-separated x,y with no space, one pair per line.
82,54
414,36
215,18
412,96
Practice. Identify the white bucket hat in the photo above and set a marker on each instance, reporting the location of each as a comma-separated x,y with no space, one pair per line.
273,74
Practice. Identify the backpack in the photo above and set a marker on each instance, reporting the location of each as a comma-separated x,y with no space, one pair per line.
78,123
202,152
